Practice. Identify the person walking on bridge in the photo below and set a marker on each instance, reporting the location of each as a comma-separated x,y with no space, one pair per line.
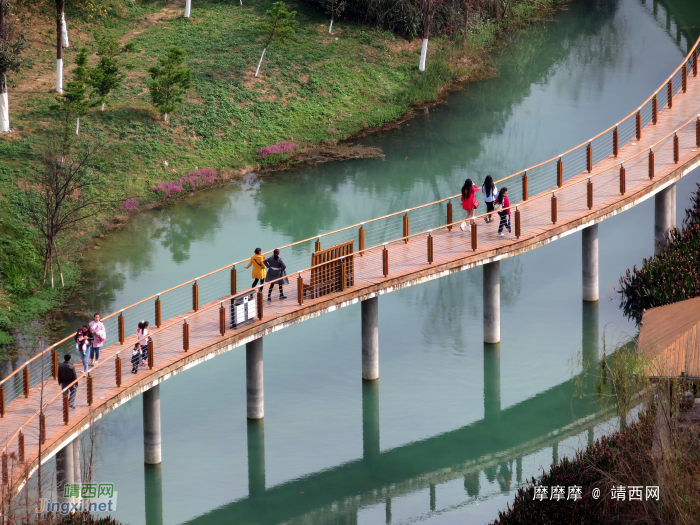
469,202
99,336
276,269
490,194
257,261
66,375
502,207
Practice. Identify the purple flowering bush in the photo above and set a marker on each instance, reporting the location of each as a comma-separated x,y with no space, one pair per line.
130,205
193,181
281,147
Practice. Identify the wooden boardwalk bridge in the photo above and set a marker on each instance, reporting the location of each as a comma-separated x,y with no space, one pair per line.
639,157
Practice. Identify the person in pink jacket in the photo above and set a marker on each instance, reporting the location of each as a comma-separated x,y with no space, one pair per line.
469,202
98,335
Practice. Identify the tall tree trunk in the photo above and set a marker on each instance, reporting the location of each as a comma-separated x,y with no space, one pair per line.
59,46
58,262
423,54
64,30
4,106
188,8
260,63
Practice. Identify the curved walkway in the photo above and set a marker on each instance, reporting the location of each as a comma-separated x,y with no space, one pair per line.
582,199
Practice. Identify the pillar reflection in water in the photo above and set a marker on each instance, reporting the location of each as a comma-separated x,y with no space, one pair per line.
471,483
590,342
256,458
370,421
153,483
492,381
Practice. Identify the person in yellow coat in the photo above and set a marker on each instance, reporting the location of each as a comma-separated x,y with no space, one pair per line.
257,261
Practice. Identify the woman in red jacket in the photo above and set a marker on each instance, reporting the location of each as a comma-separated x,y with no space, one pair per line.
469,202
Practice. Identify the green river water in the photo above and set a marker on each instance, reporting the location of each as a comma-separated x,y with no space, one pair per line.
452,426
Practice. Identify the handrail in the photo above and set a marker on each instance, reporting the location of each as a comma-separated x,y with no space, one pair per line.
691,53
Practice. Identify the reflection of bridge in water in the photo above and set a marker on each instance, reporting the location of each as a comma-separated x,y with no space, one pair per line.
492,445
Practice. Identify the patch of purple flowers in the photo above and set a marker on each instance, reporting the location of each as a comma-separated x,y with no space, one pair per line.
130,205
281,147
194,180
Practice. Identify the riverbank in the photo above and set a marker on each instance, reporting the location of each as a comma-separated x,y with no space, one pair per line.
313,94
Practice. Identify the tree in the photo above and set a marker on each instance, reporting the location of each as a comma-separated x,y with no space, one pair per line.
427,9
106,76
169,81
276,26
74,100
334,7
60,19
11,47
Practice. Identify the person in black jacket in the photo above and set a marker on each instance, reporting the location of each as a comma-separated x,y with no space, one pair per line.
276,269
66,375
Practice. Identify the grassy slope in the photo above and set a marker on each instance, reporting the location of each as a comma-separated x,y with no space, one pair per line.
319,87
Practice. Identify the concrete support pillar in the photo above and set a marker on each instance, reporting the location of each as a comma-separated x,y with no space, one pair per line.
77,456
151,426
555,454
591,437
432,497
492,381
370,421
471,484
153,483
255,393
590,341
65,470
370,339
387,510
590,263
492,302
519,470
664,216
256,458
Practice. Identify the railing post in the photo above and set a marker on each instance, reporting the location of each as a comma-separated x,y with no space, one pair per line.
589,193
233,280
260,303
185,335
639,123
616,141
676,152
42,428
120,326
654,110
25,380
525,186
118,369
222,319
589,157
517,223
317,247
20,446
695,62
2,400
158,318
149,350
684,81
66,407
405,227
697,132
670,94
89,389
449,215
5,477
300,289
430,247
385,261
54,363
554,208
560,173
474,235
651,163
195,296
622,180
361,234
342,265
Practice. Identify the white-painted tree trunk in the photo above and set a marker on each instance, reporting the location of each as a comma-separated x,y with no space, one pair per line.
103,106
259,63
331,27
77,126
423,54
166,117
4,107
188,7
59,75
64,31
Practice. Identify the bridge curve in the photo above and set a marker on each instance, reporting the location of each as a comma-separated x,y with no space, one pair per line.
616,170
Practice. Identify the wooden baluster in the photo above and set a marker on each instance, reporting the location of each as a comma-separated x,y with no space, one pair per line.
89,389
589,157
697,132
260,304
234,280
474,235
343,274
560,173
317,246
670,94
405,227
385,261
622,180
430,248
54,363
449,216
517,223
120,326
25,380
361,235
300,289
684,81
651,164
589,193
185,335
158,315
554,208
118,369
639,124
222,319
525,186
42,428
5,477
695,62
616,142
66,407
195,296
654,110
676,149
2,400
20,446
